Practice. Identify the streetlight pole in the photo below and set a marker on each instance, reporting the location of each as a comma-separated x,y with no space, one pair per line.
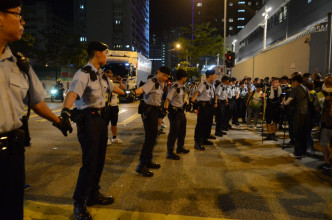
225,22
266,15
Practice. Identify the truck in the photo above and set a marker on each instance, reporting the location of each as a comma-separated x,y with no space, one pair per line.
131,66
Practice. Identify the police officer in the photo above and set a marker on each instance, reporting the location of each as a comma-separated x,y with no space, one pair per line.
19,86
153,90
203,95
220,102
241,101
88,91
177,118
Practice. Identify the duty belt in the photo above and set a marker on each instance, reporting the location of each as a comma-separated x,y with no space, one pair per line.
204,103
94,111
173,108
13,141
152,107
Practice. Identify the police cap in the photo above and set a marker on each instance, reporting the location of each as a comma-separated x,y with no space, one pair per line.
165,69
7,4
180,73
96,46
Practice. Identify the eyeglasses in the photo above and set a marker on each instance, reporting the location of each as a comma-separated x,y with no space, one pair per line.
19,14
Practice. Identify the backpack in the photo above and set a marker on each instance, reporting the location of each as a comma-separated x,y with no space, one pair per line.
314,108
326,117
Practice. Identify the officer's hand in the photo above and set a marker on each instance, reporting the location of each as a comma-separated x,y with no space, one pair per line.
131,95
64,125
195,105
164,112
215,105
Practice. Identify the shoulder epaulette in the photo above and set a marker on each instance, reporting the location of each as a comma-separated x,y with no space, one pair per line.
22,62
88,69
155,80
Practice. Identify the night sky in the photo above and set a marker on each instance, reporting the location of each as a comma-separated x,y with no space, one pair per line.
165,14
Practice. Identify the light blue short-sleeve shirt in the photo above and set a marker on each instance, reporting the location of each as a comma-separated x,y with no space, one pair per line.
14,86
91,94
153,92
205,92
176,95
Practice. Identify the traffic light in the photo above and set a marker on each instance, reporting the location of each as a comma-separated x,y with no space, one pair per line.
230,59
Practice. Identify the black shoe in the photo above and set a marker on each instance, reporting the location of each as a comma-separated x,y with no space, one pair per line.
99,199
274,138
218,133
291,143
207,142
173,156
223,133
237,123
212,137
199,147
153,165
81,213
182,150
143,170
27,186
225,129
161,131
268,138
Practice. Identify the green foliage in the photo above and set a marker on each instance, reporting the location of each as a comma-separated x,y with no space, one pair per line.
192,72
206,43
25,45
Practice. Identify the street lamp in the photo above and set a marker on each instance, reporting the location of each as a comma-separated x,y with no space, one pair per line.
265,15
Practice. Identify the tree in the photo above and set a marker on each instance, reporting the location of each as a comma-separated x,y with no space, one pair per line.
26,45
192,72
206,43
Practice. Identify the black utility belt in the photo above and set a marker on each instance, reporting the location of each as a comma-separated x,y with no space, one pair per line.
153,107
175,109
13,141
221,101
93,111
204,103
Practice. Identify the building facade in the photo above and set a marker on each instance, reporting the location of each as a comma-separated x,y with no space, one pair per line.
122,24
297,26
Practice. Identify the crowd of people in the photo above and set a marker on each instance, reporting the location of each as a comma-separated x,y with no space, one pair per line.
305,103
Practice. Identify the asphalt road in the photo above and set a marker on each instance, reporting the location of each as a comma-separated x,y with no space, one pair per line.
236,178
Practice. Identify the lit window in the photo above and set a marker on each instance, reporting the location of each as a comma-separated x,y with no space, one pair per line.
230,28
249,3
240,19
230,20
240,27
230,4
81,6
241,10
241,2
127,46
199,4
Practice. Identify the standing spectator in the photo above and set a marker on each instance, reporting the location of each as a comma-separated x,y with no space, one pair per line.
254,105
301,116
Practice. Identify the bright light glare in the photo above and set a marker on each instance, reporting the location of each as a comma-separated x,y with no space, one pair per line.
53,91
178,45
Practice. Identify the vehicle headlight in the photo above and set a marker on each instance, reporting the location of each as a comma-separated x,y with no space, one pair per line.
127,92
54,91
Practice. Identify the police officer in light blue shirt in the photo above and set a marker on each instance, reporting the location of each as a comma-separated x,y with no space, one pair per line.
177,118
19,86
88,91
220,103
203,127
153,90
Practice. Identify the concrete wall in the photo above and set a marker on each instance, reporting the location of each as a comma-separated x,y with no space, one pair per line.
277,62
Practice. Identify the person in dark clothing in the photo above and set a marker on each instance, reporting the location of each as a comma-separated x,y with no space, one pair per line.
301,117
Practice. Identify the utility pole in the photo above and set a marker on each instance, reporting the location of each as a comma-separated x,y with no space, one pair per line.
328,65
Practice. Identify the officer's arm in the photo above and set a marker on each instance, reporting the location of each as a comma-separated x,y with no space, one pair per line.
288,101
43,110
166,103
70,99
139,91
117,90
195,96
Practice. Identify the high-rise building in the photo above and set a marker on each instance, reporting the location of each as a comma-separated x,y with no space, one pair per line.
122,24
40,19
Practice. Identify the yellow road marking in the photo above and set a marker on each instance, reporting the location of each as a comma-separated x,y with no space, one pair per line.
130,119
